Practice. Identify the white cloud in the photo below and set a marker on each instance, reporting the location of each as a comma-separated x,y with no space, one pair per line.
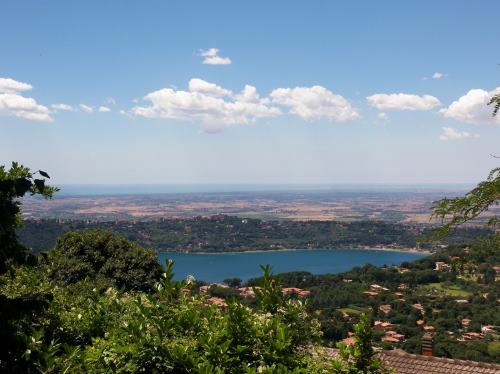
452,134
207,88
13,104
86,108
11,86
104,109
23,107
211,57
63,107
438,75
205,102
473,108
383,116
111,100
401,101
314,103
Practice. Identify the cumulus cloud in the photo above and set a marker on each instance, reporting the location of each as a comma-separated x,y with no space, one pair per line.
207,88
111,100
401,101
215,107
13,104
62,107
314,102
211,57
11,86
452,134
104,109
473,108
86,108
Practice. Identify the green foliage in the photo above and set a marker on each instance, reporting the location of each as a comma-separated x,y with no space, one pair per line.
454,212
100,255
168,330
496,101
359,358
14,184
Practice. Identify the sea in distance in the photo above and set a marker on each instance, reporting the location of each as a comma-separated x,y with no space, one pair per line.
215,267
67,190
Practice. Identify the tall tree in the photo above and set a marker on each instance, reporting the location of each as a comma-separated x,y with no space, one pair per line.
14,184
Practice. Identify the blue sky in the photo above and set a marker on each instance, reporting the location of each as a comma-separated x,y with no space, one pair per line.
256,92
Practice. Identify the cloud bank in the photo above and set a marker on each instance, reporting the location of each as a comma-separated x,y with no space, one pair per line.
402,101
473,108
217,108
452,134
14,104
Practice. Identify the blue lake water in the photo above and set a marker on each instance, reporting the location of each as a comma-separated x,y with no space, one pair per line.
218,266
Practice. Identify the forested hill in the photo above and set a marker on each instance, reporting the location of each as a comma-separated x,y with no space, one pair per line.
228,233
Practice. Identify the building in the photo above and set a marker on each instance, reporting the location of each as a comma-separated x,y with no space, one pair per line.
295,291
383,325
405,363
219,302
386,309
442,266
377,288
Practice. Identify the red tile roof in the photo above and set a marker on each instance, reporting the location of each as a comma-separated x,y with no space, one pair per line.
405,363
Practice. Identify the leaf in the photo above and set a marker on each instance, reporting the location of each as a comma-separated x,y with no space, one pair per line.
43,174
22,185
40,184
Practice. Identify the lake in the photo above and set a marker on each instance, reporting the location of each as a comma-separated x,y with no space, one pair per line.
215,267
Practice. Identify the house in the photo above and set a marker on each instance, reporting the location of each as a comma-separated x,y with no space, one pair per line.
466,322
442,266
403,286
419,307
393,336
248,292
462,301
401,362
471,336
429,328
420,323
370,293
377,288
398,294
386,309
219,302
488,329
383,325
295,291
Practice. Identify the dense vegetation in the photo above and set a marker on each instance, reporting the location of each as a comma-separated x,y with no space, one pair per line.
100,303
227,233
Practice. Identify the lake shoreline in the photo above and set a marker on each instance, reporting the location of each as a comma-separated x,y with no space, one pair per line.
402,250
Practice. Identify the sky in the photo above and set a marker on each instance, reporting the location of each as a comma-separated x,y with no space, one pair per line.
260,92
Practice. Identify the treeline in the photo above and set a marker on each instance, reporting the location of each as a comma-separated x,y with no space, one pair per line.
228,233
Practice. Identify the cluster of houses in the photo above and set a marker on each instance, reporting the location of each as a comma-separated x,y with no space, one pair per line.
247,292
473,335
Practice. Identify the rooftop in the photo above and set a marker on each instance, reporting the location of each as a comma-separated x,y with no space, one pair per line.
406,363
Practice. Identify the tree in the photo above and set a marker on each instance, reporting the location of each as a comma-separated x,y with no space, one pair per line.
232,282
457,211
102,255
496,101
14,184
359,358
